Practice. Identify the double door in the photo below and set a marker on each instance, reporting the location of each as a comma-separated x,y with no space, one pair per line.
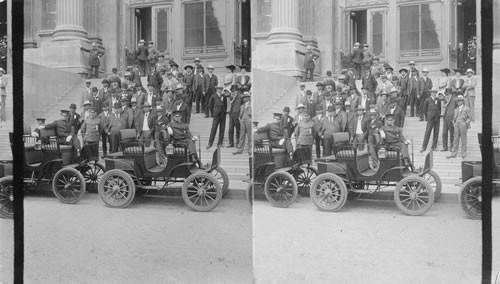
368,26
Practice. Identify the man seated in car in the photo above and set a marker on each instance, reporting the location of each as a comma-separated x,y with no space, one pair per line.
276,134
178,131
65,132
393,137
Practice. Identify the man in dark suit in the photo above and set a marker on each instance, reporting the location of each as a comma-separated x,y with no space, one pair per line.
127,115
181,106
74,118
461,56
200,89
276,134
416,87
370,84
317,123
246,53
219,117
309,59
65,131
114,126
188,81
145,125
432,110
404,87
426,91
447,112
329,127
105,117
155,79
212,85
198,66
395,110
357,128
151,96
234,116
243,80
94,55
142,57
357,59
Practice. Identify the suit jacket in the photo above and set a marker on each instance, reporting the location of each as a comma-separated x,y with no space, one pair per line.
304,132
246,111
218,105
116,123
457,84
243,82
462,116
366,104
418,85
180,105
367,58
309,58
432,109
354,100
155,79
105,95
189,81
201,84
63,128
127,116
234,105
404,85
427,87
318,123
357,55
469,86
74,121
142,53
144,98
370,83
212,83
352,125
105,120
399,115
448,109
140,121
94,55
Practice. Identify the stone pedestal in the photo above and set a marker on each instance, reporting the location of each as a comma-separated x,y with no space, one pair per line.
68,55
280,58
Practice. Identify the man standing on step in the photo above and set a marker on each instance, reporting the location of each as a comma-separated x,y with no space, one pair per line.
234,117
432,110
426,91
309,60
91,133
142,57
469,90
357,59
94,55
415,92
3,93
461,122
105,118
219,107
116,123
200,89
448,112
213,82
245,117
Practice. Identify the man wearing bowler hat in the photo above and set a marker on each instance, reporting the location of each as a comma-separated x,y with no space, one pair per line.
234,105
461,122
219,110
432,111
245,117
309,60
469,90
74,118
188,81
412,68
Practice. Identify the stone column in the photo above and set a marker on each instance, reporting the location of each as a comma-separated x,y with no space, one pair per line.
92,21
306,20
29,41
285,22
70,21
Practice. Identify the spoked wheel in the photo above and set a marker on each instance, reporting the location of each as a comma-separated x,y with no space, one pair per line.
116,188
6,197
92,174
414,195
435,181
304,179
222,177
470,197
201,191
280,189
68,185
328,192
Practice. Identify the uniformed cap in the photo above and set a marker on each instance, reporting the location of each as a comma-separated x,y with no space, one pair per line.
105,81
146,104
64,111
411,62
277,114
177,113
72,106
255,123
246,94
460,98
286,109
300,106
40,119
188,67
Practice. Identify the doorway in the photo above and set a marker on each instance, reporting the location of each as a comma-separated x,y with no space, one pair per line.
466,30
143,23
358,31
368,26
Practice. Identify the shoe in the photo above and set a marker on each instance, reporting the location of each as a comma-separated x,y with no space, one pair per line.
451,156
230,146
237,152
422,150
209,146
444,149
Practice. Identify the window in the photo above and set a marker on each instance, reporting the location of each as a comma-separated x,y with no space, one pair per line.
264,16
420,30
48,14
204,23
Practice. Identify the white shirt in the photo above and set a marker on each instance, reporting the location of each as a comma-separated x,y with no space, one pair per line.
105,114
359,130
242,80
145,126
363,100
150,97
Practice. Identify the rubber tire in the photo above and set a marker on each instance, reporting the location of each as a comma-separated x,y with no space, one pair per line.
303,188
213,180
342,188
225,178
130,188
427,205
88,185
463,194
80,178
439,185
290,179
6,197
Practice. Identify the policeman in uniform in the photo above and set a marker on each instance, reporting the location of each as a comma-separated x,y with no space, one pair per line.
393,137
65,132
91,133
178,131
277,134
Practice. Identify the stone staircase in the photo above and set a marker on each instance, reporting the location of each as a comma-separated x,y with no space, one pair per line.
449,170
236,166
8,125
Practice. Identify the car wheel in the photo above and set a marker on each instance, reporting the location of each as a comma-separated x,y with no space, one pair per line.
328,192
414,195
470,197
280,189
68,185
201,192
116,188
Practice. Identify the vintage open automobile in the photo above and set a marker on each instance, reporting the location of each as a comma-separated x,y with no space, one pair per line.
6,190
347,172
282,178
138,168
57,164
470,196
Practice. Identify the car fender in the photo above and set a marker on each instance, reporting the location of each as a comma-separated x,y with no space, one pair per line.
398,168
126,166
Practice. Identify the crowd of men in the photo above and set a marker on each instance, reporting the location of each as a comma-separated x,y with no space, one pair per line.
162,110
371,103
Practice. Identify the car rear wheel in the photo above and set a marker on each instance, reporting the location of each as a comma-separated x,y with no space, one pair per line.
201,191
92,174
6,197
470,197
222,177
328,192
414,195
304,179
68,185
281,189
116,188
435,181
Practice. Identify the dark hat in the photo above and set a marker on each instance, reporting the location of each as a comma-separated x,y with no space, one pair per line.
445,70
414,70
338,102
150,42
161,55
231,67
244,67
200,68
188,66
146,104
177,112
72,106
366,45
150,84
40,119
319,84
330,108
383,77
94,89
387,66
174,64
64,111
458,70
246,94
389,115
255,123
105,81
104,105
308,92
114,69
319,108
328,72
286,109
124,99
277,114
403,69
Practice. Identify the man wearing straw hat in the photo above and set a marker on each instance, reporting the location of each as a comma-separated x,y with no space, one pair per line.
461,122
469,90
245,117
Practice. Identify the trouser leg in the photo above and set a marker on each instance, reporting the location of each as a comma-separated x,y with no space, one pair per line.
444,135
104,139
3,103
435,135
427,135
456,140
213,130
463,137
222,128
317,142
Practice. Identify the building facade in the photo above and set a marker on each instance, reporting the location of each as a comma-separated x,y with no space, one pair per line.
59,33
426,31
